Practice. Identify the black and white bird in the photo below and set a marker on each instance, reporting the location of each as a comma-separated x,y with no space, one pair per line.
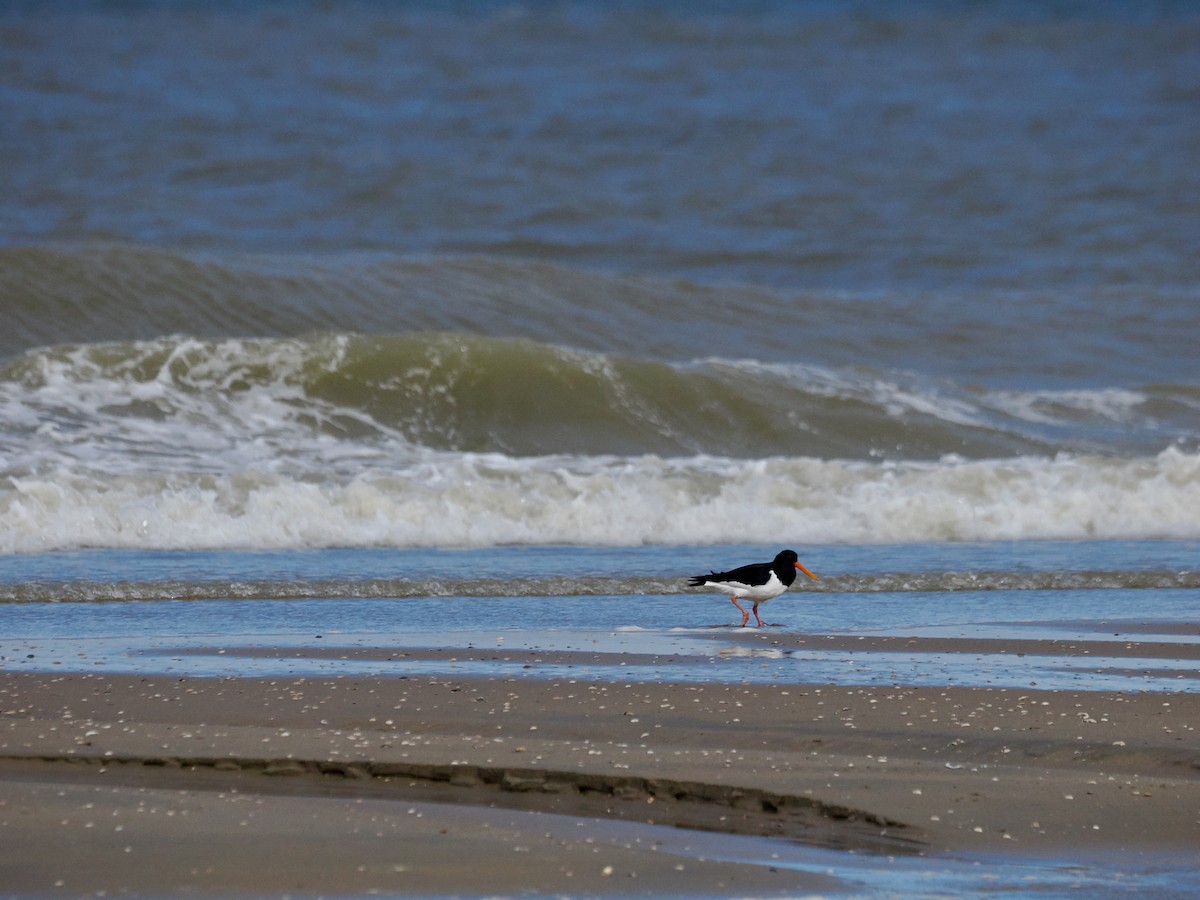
758,582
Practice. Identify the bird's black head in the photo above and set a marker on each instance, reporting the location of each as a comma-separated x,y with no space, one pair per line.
786,563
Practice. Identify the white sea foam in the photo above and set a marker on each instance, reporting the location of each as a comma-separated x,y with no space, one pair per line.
454,499
180,443
1113,405
896,399
178,404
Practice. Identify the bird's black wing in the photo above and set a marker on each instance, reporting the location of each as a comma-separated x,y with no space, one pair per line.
755,573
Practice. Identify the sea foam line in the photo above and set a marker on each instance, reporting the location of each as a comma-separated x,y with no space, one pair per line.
463,500
586,586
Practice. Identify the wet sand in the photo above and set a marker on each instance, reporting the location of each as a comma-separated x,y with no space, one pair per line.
435,784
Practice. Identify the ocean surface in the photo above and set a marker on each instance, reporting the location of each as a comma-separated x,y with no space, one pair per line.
285,277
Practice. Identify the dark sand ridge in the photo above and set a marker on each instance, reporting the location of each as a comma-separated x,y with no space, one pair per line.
893,768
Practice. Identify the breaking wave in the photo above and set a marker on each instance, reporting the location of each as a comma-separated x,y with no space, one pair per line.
462,499
182,398
151,400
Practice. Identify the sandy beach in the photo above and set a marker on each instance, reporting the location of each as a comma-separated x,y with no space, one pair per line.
434,785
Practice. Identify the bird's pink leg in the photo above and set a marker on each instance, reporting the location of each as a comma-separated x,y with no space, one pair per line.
745,615
756,618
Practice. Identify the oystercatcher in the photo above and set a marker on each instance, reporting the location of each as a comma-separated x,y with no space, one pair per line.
758,582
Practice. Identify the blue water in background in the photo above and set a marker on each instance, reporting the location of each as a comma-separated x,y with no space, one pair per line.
846,146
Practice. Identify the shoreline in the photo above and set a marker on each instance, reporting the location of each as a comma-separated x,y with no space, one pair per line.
889,771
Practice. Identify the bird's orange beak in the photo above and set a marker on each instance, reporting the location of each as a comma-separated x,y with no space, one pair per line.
802,568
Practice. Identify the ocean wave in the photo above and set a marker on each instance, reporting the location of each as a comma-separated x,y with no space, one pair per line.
465,500
1114,336
311,403
120,292
471,402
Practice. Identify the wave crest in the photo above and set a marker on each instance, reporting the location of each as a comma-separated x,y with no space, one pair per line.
327,394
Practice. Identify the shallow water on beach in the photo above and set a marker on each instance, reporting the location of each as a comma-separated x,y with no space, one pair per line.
918,877
653,660
308,616
995,875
